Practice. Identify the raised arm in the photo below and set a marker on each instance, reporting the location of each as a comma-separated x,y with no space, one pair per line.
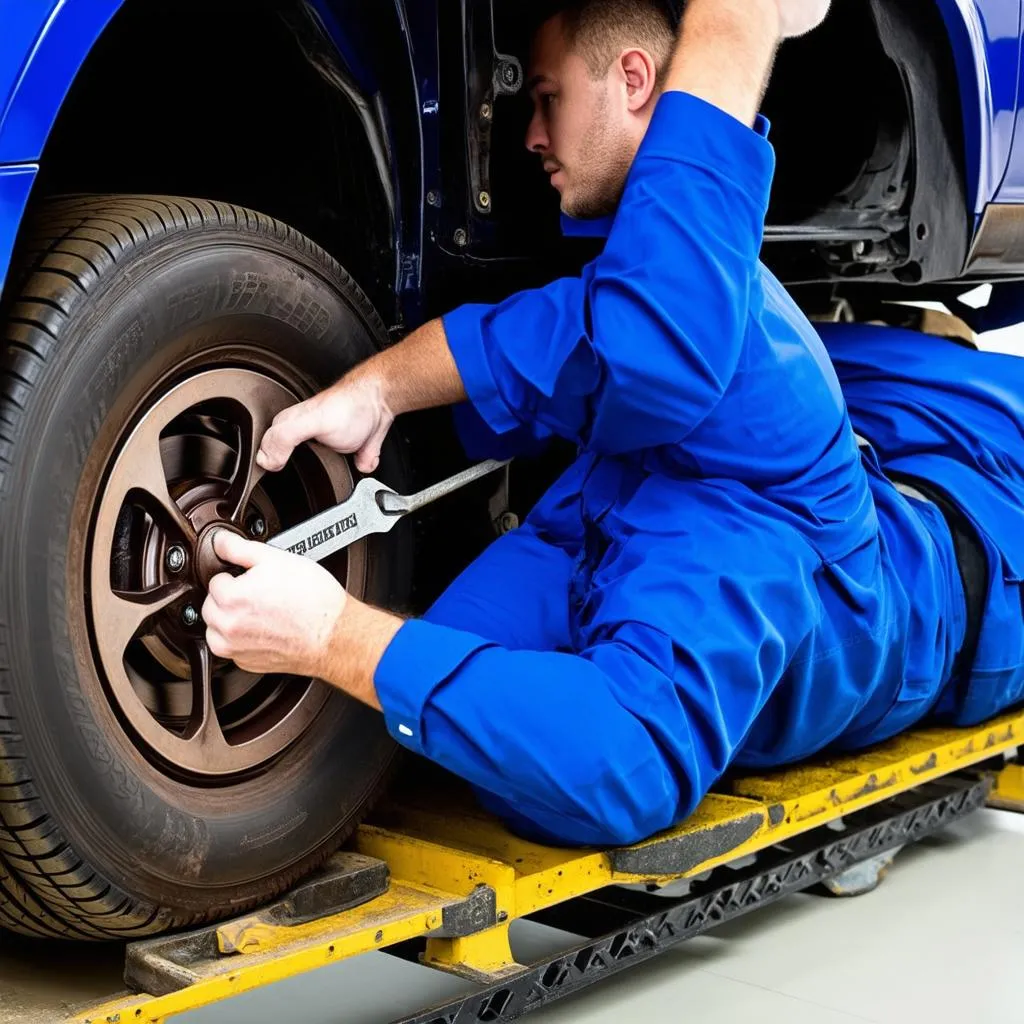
640,349
637,351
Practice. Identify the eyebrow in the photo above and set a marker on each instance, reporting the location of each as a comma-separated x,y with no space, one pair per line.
535,81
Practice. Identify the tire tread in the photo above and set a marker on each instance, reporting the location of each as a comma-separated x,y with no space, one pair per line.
46,890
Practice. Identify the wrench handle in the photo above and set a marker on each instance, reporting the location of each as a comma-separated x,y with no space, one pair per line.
399,504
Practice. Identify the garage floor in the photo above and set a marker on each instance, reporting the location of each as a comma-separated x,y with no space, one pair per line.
941,941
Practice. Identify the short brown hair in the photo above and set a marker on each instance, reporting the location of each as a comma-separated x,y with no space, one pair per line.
599,30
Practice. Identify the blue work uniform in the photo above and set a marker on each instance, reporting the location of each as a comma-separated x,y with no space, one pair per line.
721,576
937,410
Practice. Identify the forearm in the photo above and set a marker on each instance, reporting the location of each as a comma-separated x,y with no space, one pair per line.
417,373
725,53
357,644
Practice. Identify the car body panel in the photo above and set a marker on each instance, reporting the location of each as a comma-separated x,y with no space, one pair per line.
15,185
62,34
44,44
985,39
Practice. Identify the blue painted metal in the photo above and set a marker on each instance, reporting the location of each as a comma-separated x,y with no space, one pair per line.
340,30
22,25
1013,185
44,43
64,33
985,37
15,185
411,123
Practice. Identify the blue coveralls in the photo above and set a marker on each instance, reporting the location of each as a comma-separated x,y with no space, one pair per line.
721,576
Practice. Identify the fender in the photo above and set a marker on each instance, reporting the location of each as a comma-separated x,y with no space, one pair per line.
362,48
43,47
985,39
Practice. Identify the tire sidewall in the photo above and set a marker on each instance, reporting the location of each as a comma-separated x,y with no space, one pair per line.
156,837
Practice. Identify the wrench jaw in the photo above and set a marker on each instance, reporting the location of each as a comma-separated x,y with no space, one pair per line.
391,503
353,520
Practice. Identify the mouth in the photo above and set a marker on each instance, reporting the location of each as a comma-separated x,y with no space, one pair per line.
556,174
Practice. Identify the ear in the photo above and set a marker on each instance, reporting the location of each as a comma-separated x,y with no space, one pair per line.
640,75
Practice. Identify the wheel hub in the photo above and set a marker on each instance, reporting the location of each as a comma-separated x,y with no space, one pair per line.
207,562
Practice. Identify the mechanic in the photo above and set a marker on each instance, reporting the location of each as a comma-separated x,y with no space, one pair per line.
725,574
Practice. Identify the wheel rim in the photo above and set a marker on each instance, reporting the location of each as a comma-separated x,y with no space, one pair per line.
186,466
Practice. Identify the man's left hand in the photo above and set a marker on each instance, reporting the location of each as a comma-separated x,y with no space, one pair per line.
278,616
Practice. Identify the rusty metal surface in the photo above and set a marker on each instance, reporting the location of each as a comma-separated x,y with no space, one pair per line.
1008,792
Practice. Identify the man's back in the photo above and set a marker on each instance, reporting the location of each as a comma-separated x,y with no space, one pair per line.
774,483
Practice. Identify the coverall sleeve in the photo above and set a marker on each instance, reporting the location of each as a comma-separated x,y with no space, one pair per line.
574,765
640,348
480,442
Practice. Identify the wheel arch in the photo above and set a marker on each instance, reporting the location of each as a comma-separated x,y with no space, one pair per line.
316,125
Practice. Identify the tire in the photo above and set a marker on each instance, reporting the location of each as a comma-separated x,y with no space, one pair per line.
120,300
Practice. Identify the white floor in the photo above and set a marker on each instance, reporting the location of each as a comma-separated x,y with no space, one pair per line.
941,941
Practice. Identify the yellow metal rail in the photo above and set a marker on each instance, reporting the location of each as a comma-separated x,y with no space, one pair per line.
441,851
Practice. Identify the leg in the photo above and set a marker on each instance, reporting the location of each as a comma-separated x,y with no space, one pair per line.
517,592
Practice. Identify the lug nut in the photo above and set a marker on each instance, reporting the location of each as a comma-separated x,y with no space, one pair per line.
257,527
175,558
507,522
189,615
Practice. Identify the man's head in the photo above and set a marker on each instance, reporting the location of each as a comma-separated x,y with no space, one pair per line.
595,75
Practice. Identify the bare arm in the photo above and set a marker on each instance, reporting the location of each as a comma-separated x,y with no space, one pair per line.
417,373
355,414
724,57
725,53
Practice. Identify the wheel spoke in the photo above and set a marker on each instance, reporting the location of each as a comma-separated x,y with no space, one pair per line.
121,615
139,478
263,400
206,431
203,730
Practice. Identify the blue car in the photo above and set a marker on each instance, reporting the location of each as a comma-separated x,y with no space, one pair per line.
209,210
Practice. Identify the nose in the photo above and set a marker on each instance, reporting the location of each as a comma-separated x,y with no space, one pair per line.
536,135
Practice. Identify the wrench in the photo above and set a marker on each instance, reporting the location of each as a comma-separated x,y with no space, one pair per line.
372,507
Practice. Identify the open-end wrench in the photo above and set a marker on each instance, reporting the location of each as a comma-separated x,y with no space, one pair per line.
372,507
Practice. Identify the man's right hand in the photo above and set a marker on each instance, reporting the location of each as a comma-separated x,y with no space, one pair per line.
351,418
